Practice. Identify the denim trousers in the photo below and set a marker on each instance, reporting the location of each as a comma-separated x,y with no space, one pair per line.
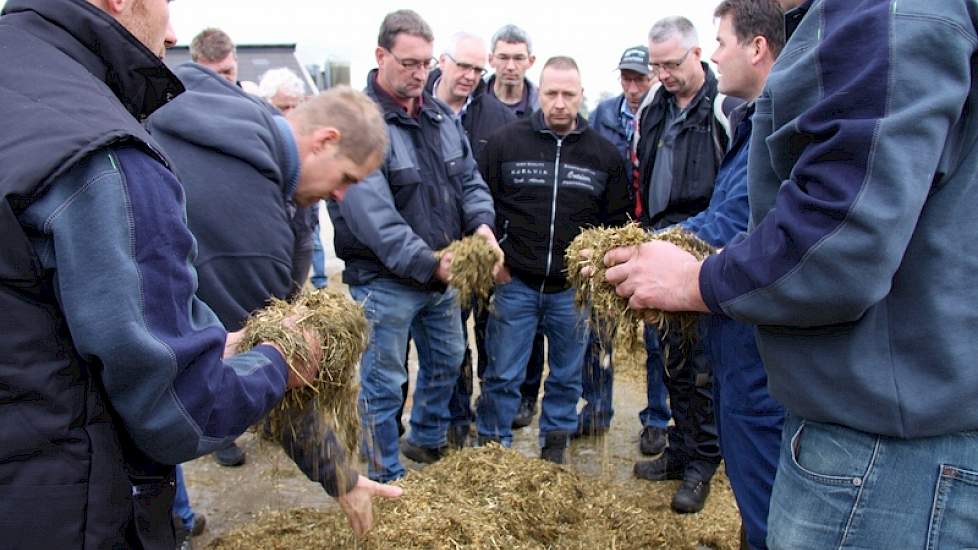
434,322
749,421
656,414
517,311
841,488
181,501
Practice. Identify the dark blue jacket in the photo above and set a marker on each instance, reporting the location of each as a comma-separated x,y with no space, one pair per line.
858,269
110,369
426,194
239,166
606,121
484,114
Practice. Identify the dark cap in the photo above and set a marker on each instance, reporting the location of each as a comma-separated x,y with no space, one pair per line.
635,59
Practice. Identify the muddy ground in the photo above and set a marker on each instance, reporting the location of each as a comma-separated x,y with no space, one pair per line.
230,497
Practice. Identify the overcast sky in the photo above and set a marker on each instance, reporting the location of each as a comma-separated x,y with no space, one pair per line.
595,33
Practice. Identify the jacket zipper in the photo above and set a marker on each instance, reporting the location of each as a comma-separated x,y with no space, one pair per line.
553,214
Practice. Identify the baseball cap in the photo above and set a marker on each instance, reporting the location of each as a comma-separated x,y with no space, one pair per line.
635,59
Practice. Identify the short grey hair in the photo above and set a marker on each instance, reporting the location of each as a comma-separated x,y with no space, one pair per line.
280,79
451,48
666,28
513,35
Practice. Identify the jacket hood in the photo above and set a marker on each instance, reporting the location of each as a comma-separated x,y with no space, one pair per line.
215,114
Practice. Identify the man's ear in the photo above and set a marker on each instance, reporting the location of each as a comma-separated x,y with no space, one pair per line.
327,135
760,49
112,7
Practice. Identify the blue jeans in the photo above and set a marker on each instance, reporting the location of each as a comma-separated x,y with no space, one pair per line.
841,488
181,502
319,277
656,414
749,421
517,312
597,381
433,320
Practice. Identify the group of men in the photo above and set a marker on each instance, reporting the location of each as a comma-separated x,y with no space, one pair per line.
167,206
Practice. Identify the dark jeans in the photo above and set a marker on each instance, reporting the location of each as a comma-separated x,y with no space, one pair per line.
749,421
689,380
598,382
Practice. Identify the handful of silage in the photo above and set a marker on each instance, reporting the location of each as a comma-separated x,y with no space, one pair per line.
472,261
607,306
342,330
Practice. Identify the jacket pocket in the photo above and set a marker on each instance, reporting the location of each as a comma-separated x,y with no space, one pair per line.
404,184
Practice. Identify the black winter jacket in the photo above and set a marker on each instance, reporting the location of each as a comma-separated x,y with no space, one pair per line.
699,148
546,189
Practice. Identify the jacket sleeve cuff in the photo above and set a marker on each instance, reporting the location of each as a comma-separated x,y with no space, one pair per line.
481,219
424,268
710,272
277,361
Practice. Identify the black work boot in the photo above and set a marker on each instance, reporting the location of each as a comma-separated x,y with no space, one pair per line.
666,466
653,440
691,496
230,456
424,455
554,446
524,414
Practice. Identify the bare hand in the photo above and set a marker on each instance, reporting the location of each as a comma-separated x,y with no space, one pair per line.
232,343
656,275
497,268
503,276
304,372
444,270
357,503
585,254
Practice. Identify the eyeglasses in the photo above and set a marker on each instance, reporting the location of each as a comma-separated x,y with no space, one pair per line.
466,67
504,59
669,65
414,64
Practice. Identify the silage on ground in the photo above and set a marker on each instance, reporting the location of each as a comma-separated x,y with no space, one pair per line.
497,498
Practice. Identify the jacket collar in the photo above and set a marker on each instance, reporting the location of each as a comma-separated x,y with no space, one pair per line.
793,18
704,97
394,112
139,79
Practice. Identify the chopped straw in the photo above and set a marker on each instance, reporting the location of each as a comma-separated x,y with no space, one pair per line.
342,328
472,261
497,498
607,306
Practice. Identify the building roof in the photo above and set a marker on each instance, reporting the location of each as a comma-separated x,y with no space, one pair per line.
254,60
